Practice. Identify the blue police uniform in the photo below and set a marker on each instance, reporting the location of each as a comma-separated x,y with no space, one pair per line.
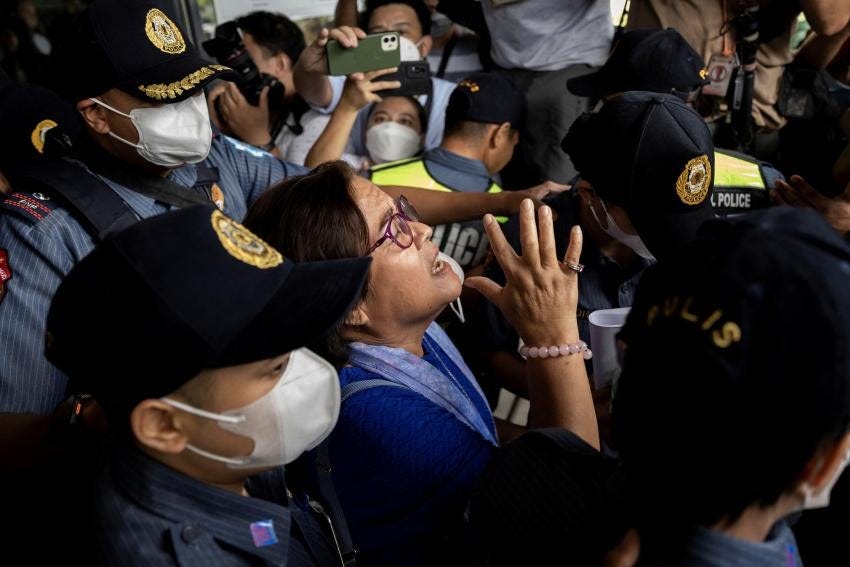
42,242
154,515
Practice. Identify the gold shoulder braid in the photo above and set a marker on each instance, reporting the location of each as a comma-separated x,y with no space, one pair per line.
243,244
161,91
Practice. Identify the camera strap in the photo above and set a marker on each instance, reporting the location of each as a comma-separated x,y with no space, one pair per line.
158,188
447,54
430,101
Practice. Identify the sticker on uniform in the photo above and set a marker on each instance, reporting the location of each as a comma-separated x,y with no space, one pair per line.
5,273
262,532
720,70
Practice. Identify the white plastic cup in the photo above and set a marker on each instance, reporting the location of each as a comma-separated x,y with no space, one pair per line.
604,326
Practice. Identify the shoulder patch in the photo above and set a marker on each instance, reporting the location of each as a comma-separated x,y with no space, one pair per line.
31,206
5,273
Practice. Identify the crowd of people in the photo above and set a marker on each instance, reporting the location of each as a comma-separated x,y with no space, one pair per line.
224,334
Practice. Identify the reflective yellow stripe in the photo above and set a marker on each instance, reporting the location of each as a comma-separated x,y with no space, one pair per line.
732,171
412,173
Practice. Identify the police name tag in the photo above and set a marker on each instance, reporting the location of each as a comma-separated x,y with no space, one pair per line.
720,71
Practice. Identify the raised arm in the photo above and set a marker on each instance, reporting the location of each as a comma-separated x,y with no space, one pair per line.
359,92
311,70
539,300
827,17
346,13
440,207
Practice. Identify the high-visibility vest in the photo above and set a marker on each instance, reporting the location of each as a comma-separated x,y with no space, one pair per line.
739,183
413,172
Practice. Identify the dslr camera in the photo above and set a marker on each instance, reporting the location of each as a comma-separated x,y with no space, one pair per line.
228,49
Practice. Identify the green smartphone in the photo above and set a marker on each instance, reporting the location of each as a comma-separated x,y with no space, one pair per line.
378,51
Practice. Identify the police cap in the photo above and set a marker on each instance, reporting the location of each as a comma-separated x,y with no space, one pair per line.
487,97
653,60
136,47
652,155
155,304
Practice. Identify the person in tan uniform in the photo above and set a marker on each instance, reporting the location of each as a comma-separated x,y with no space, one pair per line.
703,23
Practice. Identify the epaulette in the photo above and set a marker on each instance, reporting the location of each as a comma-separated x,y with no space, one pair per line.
33,207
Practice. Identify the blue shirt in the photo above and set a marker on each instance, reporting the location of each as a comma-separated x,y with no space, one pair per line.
149,514
707,548
404,468
43,241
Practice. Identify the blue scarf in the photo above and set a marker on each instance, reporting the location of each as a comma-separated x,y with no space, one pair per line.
410,371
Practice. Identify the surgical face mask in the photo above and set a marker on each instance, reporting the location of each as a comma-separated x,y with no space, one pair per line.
170,135
293,417
633,241
811,500
408,50
455,305
391,141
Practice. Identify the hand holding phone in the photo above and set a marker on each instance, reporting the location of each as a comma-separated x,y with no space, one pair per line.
414,78
378,51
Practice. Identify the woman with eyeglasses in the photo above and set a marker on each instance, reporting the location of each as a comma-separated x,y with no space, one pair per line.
415,430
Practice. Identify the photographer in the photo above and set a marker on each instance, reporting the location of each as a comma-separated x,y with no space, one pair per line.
412,21
280,121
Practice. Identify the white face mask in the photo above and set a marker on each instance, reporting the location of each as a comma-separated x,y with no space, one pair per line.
455,305
633,241
293,417
170,135
391,141
812,501
408,50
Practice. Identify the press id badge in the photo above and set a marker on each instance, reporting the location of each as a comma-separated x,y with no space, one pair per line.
720,70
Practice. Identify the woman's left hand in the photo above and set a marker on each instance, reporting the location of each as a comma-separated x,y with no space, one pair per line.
540,296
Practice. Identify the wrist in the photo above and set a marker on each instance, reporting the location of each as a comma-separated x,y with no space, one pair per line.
545,335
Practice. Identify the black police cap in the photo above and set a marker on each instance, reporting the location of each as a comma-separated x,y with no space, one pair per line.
748,326
653,155
155,304
135,46
653,60
489,98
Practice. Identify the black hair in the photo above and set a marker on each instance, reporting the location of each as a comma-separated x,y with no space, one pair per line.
294,216
418,6
274,32
420,112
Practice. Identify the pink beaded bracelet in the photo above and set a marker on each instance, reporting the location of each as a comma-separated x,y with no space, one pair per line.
556,350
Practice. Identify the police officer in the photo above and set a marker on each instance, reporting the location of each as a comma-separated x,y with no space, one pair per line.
662,61
137,86
209,393
483,119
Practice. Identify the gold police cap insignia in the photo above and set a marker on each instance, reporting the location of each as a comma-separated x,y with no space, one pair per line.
693,183
38,133
163,33
243,244
471,85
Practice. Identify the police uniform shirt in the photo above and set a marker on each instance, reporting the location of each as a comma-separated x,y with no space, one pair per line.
149,514
40,243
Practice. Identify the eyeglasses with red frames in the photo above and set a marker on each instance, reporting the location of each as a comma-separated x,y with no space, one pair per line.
398,230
